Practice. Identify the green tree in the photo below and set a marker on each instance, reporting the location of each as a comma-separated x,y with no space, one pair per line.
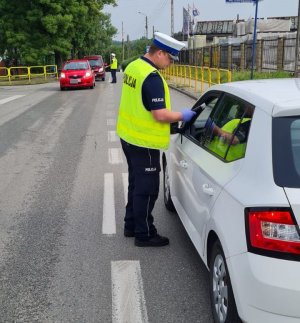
32,30
130,50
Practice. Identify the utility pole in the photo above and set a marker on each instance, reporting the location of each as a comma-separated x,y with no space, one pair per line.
146,26
128,45
122,43
296,73
254,40
172,17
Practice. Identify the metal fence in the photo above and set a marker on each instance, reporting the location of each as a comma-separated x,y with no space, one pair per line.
195,78
27,72
269,54
272,54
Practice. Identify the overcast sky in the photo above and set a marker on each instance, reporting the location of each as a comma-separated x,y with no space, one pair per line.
159,13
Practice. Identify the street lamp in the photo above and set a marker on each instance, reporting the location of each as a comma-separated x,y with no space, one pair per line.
146,26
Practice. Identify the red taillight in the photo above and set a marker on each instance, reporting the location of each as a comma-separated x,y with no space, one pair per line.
274,231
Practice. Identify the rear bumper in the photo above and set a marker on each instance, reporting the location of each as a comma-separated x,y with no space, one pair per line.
266,289
99,75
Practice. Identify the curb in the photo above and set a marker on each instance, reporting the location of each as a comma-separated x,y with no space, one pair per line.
183,91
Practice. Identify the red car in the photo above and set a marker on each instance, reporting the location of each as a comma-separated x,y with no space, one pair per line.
97,64
77,73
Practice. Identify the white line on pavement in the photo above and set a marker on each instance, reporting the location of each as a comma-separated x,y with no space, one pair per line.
112,136
115,156
11,98
128,300
109,219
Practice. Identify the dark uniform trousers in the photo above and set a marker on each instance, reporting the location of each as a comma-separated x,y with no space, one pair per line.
143,188
113,75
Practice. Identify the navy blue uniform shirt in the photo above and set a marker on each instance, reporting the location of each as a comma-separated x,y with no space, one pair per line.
153,92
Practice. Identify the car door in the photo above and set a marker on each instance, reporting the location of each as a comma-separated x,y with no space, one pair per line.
198,172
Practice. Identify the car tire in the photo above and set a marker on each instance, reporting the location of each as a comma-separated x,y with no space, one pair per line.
62,88
221,294
103,79
166,182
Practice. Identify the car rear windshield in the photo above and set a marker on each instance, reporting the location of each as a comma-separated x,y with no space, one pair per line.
286,151
95,62
76,66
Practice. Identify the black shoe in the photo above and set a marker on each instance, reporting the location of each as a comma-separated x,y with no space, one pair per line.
128,233
155,241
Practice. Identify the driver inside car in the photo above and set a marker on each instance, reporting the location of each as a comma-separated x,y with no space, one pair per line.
229,141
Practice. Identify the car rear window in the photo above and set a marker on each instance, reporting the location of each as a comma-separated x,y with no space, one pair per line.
76,66
286,151
95,62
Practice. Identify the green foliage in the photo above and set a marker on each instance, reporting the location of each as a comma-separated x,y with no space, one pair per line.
246,75
31,31
127,61
138,47
129,50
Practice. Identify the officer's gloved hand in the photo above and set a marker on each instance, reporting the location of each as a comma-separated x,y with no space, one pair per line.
187,114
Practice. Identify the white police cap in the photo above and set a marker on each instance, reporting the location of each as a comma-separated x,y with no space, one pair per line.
113,54
169,44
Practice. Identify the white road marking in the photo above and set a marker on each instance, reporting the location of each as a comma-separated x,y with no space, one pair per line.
125,185
109,218
11,98
128,300
112,136
115,156
111,122
36,125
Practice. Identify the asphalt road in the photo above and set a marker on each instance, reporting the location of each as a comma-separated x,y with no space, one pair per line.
63,256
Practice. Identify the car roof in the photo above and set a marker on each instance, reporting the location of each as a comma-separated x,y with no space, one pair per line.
278,97
76,60
92,56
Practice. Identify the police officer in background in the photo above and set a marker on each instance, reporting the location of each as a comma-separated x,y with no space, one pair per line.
113,68
144,128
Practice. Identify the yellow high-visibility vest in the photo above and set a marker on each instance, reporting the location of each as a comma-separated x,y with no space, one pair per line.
220,147
114,64
136,125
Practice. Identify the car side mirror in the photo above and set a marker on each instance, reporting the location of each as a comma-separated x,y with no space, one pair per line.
174,128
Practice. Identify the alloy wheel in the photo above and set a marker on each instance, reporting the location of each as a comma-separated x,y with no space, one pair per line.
220,288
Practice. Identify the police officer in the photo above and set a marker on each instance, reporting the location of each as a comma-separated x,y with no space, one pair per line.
113,68
144,128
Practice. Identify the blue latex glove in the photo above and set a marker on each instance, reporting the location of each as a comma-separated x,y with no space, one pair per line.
187,114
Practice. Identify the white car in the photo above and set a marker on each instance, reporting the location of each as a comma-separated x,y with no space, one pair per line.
233,176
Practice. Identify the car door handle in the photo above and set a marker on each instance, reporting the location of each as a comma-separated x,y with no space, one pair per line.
183,164
207,189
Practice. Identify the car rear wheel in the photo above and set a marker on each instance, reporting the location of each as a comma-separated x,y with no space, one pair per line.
221,294
167,195
103,79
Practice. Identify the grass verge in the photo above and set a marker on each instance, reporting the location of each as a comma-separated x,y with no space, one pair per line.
246,75
27,82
